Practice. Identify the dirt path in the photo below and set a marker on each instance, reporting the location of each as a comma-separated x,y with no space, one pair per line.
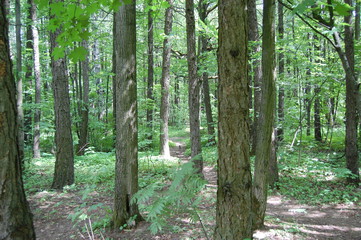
286,219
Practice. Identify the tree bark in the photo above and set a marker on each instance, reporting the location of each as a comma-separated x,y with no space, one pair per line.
234,194
266,117
37,76
126,166
357,20
84,105
194,85
150,83
15,217
253,37
317,114
281,72
64,164
165,81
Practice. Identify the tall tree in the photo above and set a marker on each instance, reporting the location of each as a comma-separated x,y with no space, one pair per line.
64,164
194,85
266,117
84,104
253,37
150,97
357,20
281,71
203,40
15,216
126,166
19,78
165,81
34,35
234,194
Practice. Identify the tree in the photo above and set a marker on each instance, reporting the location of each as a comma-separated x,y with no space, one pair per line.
126,146
15,216
165,81
281,71
234,194
84,104
64,163
194,85
266,117
150,83
34,37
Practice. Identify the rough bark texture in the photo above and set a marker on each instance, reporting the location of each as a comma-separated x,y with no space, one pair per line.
126,166
281,72
37,77
317,115
19,78
150,83
203,39
352,160
357,20
234,198
84,105
64,164
253,37
266,117
165,81
194,85
15,217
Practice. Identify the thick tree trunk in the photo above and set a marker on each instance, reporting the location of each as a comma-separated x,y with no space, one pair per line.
194,85
253,37
150,83
84,105
126,166
37,76
19,78
64,164
15,216
234,194
202,9
266,117
165,81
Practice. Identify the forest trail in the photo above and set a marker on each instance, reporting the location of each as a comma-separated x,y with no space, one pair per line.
286,219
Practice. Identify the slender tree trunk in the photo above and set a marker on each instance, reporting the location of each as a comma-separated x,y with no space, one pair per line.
19,78
202,9
253,37
84,105
165,81
194,85
317,114
64,164
281,72
150,97
37,76
266,117
126,166
357,20
234,194
15,217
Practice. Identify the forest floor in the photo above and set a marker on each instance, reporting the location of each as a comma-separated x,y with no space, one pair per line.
286,218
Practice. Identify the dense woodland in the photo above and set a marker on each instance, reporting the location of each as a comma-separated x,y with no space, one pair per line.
178,119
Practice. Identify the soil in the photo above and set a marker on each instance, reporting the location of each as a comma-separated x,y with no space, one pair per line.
286,218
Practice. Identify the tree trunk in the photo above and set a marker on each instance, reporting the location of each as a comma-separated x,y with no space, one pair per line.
194,85
37,76
234,198
317,114
64,164
202,9
352,161
150,97
281,72
126,166
84,105
165,81
253,37
357,20
19,78
266,117
15,216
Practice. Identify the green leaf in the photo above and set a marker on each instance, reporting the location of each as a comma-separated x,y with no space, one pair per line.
58,52
78,54
302,7
342,8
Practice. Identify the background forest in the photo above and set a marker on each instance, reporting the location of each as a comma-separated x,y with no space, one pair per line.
130,112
